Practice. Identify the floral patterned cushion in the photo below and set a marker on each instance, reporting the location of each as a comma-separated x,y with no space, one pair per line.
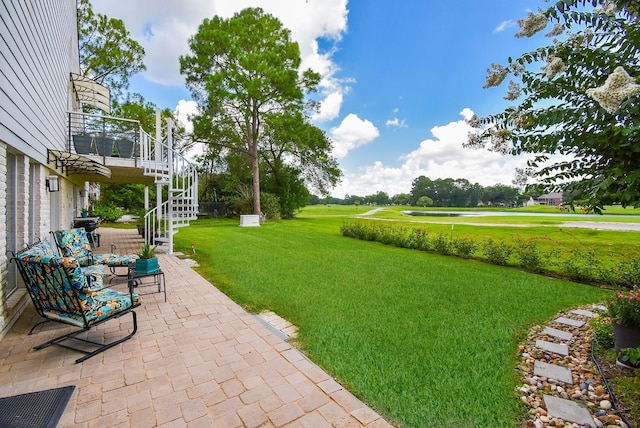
96,307
75,243
76,276
50,278
35,255
94,275
63,293
112,260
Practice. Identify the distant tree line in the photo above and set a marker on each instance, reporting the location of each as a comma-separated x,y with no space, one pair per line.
441,192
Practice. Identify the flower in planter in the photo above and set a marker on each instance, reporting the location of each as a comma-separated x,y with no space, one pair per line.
602,330
624,309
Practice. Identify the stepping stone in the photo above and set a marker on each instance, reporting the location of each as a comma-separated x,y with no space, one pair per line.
568,410
570,321
601,308
560,334
556,348
583,313
552,371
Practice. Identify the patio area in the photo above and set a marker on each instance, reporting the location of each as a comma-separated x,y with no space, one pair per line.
198,360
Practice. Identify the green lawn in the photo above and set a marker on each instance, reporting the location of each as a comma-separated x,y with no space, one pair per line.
426,340
548,232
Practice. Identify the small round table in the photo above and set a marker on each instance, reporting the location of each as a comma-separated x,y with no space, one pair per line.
136,279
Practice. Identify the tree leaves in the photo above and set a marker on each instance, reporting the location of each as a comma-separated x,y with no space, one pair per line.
244,74
557,117
108,54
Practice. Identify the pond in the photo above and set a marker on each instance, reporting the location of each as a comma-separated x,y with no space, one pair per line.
504,214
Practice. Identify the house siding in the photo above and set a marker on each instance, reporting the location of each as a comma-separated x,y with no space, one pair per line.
38,51
38,40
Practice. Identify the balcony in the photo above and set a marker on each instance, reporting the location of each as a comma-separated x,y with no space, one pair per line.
105,149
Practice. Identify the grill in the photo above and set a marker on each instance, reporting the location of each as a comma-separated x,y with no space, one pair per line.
90,227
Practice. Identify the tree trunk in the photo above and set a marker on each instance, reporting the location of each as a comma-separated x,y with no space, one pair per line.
256,183
255,173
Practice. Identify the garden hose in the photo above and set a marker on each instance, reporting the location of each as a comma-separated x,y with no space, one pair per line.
612,397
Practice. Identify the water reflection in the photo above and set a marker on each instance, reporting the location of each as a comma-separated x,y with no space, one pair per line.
503,214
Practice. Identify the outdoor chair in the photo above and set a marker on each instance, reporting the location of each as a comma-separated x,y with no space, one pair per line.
60,292
75,243
94,273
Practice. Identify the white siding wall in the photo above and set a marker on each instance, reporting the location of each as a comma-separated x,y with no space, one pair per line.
38,51
38,39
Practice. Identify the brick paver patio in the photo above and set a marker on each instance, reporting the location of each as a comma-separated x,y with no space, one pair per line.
198,360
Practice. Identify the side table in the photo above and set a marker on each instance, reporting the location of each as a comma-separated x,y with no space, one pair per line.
136,279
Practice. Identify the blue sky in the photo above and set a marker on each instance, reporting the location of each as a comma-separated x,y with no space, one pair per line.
398,76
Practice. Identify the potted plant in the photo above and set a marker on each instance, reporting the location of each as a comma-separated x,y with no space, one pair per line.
147,261
82,143
84,213
125,148
140,225
104,146
624,311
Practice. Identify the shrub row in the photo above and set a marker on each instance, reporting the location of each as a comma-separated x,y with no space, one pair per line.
578,265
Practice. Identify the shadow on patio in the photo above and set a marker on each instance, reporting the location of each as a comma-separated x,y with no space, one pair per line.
198,359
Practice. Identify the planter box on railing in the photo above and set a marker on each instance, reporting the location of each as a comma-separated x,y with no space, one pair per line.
125,148
104,146
82,144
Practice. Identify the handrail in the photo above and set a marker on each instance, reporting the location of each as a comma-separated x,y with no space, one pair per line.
102,135
112,136
181,178
121,119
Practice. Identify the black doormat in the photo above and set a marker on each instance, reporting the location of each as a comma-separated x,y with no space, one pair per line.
35,409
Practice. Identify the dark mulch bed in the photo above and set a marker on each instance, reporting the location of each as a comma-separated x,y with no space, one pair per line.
624,384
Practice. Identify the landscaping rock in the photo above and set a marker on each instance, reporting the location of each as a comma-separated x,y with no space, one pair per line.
551,377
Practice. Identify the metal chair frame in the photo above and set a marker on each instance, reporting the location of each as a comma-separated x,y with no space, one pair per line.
48,285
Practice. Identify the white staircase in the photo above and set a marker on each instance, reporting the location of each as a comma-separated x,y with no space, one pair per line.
169,168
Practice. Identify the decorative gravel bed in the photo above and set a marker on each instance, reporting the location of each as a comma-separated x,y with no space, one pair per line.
588,390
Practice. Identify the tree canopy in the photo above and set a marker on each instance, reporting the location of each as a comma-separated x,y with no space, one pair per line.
108,54
244,74
577,105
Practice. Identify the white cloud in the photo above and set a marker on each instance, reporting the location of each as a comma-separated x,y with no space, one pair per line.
184,110
329,107
352,132
442,156
504,25
163,28
396,122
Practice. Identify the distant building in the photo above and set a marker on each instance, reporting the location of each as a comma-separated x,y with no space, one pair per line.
551,199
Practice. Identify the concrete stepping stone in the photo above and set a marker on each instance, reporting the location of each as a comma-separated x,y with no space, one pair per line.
560,334
552,371
556,348
568,411
569,321
583,313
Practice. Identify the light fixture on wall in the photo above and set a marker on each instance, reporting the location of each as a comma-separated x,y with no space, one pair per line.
52,183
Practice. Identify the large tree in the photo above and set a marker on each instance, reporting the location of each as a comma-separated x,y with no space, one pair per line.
241,71
108,54
295,153
577,98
